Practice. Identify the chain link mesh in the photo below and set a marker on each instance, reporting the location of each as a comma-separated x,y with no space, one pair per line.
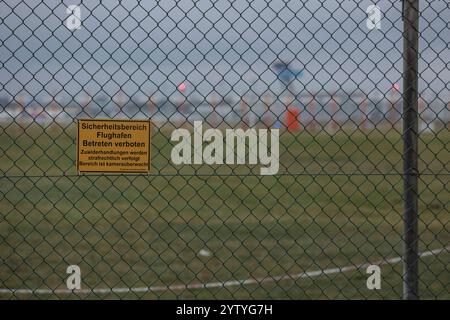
312,69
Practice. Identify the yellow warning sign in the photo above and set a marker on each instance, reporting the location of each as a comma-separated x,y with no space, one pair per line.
113,146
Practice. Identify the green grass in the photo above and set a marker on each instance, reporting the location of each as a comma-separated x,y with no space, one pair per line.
336,201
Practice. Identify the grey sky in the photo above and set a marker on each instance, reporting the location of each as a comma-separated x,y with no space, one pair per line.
213,45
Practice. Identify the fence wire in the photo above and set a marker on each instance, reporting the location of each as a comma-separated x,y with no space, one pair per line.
326,75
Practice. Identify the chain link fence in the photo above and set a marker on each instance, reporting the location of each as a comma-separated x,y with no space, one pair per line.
325,75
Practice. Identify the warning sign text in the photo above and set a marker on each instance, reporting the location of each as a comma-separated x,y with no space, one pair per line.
113,146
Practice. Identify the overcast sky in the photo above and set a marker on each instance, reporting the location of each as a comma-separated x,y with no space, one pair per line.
227,46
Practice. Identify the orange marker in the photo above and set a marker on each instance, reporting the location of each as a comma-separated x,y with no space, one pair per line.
244,113
363,113
334,124
312,108
214,114
266,111
293,119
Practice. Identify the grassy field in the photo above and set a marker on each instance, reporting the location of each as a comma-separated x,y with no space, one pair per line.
336,201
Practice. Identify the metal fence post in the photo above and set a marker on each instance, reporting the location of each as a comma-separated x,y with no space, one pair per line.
410,149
